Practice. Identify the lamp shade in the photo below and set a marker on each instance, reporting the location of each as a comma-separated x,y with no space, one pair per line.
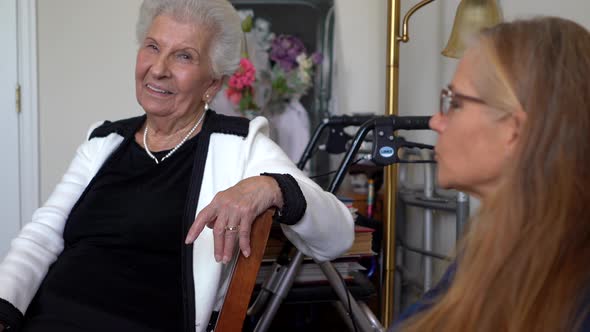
472,16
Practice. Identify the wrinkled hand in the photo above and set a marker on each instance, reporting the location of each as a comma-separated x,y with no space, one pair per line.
237,207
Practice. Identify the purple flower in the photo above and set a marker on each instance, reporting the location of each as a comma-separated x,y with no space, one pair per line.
285,49
317,58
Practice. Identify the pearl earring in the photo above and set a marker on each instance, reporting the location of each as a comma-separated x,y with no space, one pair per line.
206,102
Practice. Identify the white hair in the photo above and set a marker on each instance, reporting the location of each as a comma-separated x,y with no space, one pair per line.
217,15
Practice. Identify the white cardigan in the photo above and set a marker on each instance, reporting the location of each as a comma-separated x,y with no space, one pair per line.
324,232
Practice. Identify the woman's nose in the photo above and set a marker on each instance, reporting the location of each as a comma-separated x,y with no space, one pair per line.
437,122
160,67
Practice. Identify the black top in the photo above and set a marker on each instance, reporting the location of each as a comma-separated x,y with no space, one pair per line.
121,266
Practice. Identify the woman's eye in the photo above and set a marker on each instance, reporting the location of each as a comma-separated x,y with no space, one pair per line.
152,47
184,56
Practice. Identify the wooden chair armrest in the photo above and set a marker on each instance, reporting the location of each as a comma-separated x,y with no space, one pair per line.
233,312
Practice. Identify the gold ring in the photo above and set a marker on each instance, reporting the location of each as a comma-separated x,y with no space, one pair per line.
232,228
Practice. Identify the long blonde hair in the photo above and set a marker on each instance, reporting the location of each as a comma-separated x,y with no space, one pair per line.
524,263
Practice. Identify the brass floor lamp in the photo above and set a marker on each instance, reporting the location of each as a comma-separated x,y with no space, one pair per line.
471,16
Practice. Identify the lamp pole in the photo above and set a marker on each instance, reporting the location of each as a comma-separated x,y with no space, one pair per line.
392,94
389,200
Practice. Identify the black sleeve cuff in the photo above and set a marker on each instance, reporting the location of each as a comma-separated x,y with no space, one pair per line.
10,316
294,204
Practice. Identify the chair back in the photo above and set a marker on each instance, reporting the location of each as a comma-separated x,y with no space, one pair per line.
233,312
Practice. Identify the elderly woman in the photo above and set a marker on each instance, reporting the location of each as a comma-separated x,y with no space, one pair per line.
112,249
514,130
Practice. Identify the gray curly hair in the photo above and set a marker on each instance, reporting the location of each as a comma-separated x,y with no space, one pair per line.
217,15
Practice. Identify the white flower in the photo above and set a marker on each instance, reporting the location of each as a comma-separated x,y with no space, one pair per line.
304,76
304,62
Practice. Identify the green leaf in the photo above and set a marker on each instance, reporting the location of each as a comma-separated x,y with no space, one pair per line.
247,24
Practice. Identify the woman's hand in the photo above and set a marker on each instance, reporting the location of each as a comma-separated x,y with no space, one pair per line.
232,212
1,327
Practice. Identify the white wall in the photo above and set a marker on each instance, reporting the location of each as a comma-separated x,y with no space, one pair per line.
86,74
576,10
359,56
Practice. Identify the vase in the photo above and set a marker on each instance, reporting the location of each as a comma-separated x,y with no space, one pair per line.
290,129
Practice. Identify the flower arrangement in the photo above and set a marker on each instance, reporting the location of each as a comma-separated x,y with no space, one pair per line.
240,91
292,71
286,71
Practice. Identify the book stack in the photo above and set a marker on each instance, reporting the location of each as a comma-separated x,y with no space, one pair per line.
362,245
310,272
363,242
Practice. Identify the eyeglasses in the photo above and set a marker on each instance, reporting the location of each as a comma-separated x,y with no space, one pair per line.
450,100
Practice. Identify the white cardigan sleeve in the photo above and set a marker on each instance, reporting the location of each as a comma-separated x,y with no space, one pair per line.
41,240
326,230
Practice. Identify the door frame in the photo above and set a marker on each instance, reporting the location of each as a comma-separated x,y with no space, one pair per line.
29,115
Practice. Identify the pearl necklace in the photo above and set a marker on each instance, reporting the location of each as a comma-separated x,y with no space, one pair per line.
147,149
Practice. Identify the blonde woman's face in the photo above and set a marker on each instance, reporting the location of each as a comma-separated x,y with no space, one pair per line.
472,149
173,73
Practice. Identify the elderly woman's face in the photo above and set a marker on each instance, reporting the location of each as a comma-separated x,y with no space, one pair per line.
473,146
173,69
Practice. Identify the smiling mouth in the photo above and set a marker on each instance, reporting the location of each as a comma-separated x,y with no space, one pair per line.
153,88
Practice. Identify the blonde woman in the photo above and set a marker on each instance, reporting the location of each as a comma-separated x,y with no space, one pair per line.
514,130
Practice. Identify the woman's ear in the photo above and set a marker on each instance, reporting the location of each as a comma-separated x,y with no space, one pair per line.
515,125
214,87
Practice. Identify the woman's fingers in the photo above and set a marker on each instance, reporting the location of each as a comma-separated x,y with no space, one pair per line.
230,239
207,216
231,214
219,236
244,235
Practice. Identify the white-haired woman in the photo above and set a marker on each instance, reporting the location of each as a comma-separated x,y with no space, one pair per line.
117,246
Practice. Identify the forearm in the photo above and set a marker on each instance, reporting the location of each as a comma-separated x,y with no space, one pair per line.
40,242
314,220
36,247
289,198
323,228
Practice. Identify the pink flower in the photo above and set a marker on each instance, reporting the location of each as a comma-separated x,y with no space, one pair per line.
234,96
236,82
239,86
244,76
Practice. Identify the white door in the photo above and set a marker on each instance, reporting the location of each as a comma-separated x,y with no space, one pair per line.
9,139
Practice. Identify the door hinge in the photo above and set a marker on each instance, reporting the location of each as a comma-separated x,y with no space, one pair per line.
17,97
